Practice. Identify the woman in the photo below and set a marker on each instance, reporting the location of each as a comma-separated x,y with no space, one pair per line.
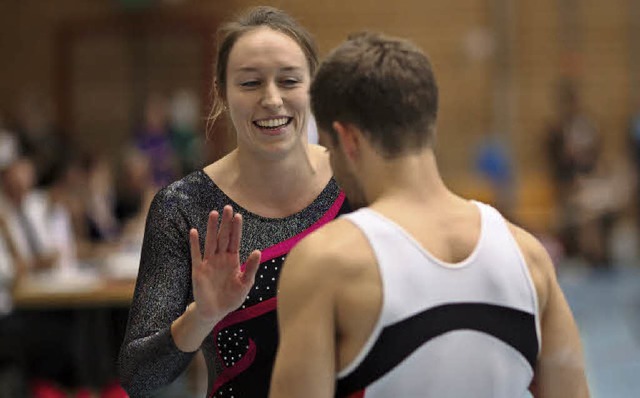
281,188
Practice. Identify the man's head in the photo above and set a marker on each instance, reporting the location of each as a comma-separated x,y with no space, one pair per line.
384,86
381,89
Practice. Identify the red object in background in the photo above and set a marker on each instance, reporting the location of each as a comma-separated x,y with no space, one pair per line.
83,393
114,390
46,389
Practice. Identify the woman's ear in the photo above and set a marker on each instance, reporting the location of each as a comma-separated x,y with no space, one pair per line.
348,138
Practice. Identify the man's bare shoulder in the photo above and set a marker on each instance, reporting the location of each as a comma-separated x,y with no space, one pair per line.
339,246
318,267
537,260
529,244
560,365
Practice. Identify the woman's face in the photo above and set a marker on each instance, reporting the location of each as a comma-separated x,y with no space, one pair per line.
268,91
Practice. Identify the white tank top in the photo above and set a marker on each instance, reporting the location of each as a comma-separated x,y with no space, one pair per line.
469,329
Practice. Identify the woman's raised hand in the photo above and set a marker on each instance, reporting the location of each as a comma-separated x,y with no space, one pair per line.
219,284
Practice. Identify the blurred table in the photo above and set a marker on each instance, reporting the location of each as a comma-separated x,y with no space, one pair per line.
105,293
107,283
95,305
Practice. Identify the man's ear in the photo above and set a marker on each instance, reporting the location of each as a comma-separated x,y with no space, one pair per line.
348,138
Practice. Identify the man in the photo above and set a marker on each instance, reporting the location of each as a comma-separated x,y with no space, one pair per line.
421,292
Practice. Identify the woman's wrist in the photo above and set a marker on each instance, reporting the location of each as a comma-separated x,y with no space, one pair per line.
190,329
200,322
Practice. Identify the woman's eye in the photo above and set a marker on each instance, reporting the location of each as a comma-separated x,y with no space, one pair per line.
290,82
250,84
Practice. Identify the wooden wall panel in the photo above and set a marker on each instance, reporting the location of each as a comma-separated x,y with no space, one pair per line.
606,75
101,97
27,43
447,30
537,68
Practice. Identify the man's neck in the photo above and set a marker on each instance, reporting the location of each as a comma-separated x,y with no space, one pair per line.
413,178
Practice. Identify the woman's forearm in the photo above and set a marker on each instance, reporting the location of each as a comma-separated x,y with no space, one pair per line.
189,331
149,363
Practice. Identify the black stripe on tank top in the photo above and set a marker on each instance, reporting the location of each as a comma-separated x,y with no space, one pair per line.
397,341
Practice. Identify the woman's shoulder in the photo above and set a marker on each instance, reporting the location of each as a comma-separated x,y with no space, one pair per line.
187,200
190,188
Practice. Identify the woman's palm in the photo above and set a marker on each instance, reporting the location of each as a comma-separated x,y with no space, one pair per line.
220,285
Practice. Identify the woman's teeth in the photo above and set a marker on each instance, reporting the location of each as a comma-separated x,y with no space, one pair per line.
273,123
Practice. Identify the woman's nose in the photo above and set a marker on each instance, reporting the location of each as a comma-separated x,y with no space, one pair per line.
272,97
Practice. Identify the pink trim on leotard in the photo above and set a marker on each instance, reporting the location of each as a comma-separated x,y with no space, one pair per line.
230,373
240,316
285,246
245,314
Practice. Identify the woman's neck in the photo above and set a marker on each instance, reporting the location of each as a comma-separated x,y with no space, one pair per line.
272,187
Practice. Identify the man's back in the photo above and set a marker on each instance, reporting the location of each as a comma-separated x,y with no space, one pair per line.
440,322
413,310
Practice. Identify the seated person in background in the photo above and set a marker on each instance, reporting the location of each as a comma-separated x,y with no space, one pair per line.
44,142
591,190
32,223
35,236
85,186
8,251
153,139
99,205
134,190
422,292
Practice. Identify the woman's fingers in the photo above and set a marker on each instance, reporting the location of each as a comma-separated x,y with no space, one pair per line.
194,244
211,241
225,229
251,267
236,234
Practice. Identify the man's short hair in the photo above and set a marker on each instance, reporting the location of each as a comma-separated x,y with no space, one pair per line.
383,85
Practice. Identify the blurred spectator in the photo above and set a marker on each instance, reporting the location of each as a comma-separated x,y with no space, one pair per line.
573,141
8,155
493,164
100,200
134,192
590,192
69,187
31,220
84,185
9,146
35,236
50,350
598,201
185,137
154,140
39,138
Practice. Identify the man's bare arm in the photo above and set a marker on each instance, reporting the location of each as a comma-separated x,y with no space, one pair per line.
560,369
306,359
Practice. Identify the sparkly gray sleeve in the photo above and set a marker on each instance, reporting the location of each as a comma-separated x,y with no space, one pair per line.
149,358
